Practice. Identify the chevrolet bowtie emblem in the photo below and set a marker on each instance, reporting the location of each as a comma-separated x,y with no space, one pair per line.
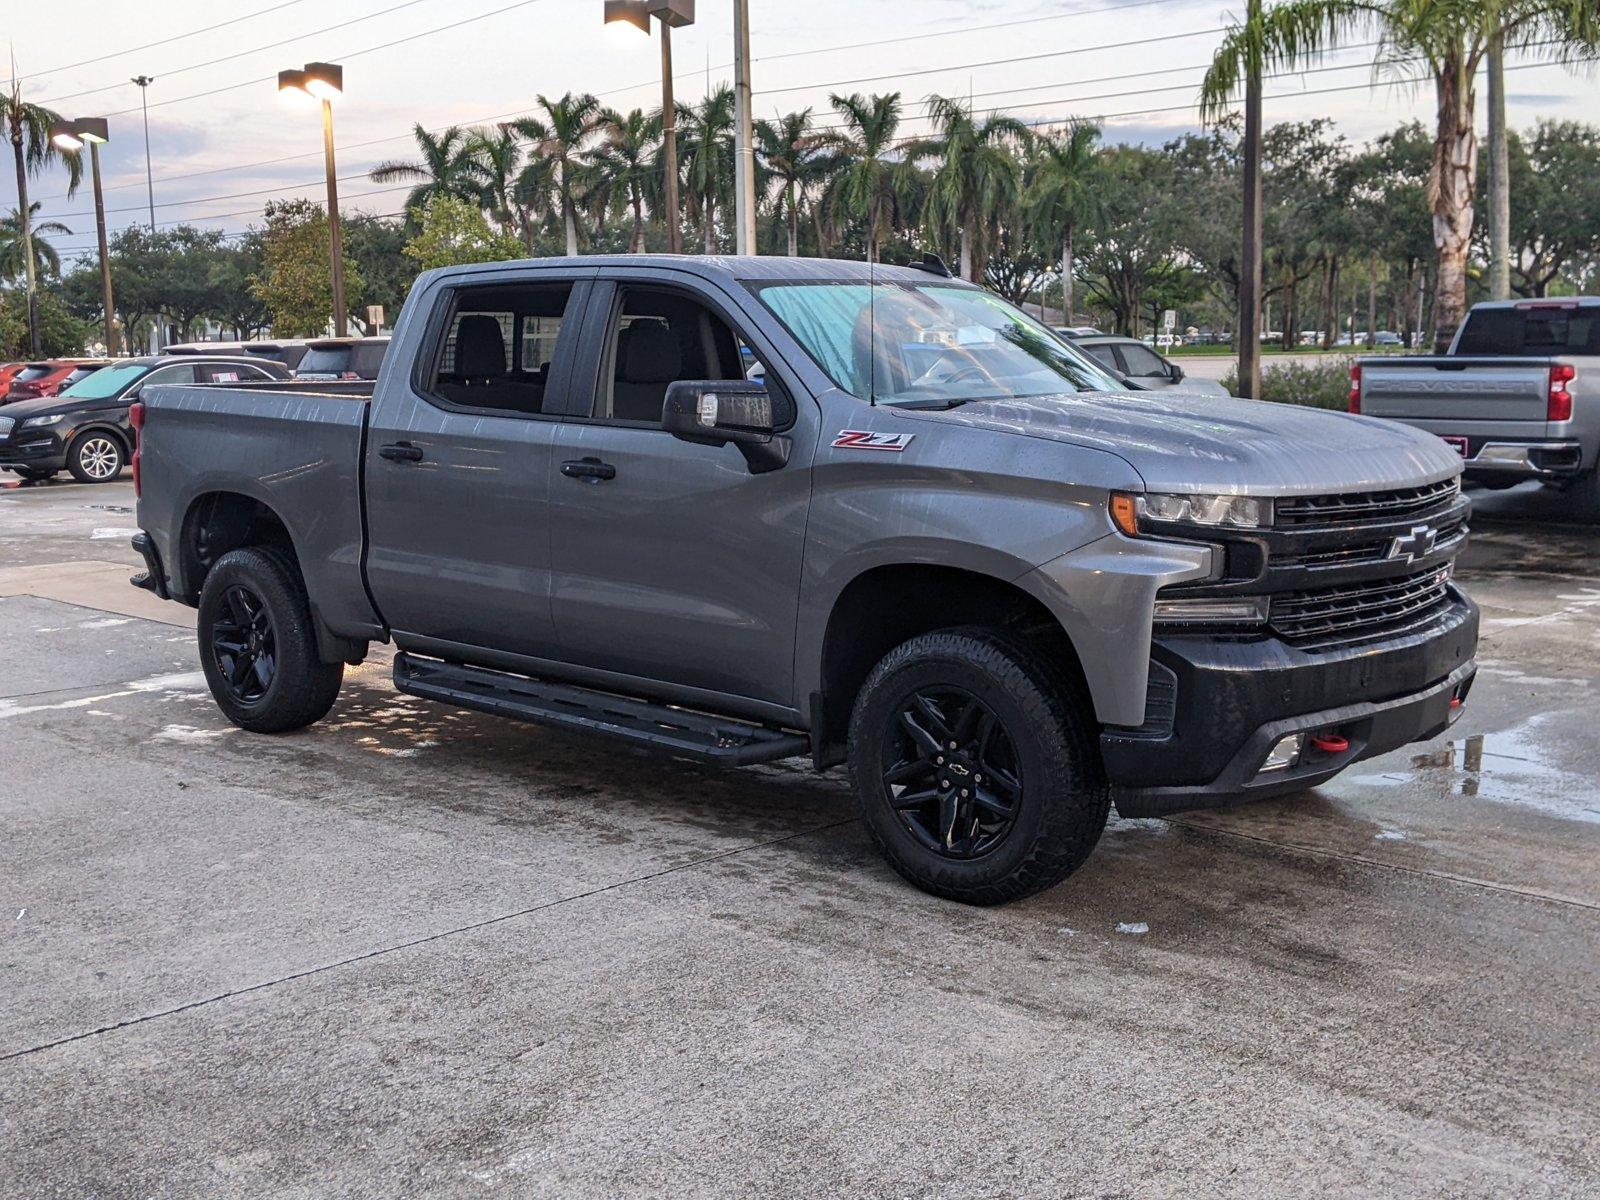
1415,544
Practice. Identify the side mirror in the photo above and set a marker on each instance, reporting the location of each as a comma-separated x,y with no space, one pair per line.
721,412
1175,371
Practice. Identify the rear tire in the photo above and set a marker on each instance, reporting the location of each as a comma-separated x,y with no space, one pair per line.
96,457
258,646
1585,496
1010,711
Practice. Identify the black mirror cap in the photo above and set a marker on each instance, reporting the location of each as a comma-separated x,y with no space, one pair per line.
717,412
1176,372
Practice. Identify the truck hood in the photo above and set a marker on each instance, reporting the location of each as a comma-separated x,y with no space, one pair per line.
1219,444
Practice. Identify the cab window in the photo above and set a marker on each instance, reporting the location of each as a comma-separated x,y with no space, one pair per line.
660,337
500,347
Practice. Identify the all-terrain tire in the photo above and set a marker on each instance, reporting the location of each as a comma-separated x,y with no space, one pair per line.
96,456
1046,714
301,688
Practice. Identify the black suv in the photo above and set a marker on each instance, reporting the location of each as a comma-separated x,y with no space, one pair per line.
85,429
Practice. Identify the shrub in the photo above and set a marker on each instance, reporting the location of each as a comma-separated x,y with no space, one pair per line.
1321,383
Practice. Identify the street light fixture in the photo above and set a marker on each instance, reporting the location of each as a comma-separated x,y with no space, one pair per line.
321,82
72,136
673,14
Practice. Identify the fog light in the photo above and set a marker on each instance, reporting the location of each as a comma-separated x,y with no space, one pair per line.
1284,753
1212,610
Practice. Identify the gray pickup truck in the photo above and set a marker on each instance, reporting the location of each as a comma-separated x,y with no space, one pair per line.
1516,397
933,542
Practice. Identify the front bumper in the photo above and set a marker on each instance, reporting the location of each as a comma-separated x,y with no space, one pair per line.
1217,707
32,450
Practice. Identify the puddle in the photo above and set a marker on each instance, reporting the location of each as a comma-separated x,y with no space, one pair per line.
1514,766
108,533
110,508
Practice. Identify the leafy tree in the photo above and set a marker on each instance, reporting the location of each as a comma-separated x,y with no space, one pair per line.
13,255
449,166
977,180
786,150
1555,193
295,281
868,181
705,153
452,231
377,247
233,301
61,334
1445,39
625,168
27,126
1061,195
1134,252
499,158
558,134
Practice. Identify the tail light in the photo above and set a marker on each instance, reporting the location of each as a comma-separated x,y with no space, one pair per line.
136,419
1560,405
1354,404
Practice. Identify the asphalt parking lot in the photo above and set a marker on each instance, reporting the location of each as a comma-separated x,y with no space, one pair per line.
413,951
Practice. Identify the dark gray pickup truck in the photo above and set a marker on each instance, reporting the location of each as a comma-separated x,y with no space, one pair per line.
932,541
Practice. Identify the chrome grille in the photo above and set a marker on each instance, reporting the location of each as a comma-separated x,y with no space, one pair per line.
1357,507
1347,614
5,425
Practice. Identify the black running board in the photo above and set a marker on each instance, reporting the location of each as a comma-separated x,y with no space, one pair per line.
676,730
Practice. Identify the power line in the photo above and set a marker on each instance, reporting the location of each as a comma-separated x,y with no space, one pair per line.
177,37
299,37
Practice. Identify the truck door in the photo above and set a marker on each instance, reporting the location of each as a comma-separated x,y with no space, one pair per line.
458,466
672,561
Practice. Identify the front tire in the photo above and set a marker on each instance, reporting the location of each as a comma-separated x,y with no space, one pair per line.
258,647
95,457
974,758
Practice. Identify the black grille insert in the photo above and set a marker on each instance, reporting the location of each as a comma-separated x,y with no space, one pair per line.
1320,618
1357,507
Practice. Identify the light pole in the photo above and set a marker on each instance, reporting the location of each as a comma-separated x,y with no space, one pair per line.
671,13
144,82
324,81
71,137
744,161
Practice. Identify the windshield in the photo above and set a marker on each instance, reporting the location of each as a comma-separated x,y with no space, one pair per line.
321,360
929,345
105,382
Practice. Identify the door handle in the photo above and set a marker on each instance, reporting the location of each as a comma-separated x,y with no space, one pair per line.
588,468
401,452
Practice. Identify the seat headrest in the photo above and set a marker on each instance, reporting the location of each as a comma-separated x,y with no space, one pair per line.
480,348
649,353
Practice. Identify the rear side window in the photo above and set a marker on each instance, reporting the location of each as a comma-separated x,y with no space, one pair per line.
230,373
1531,332
499,349
1102,354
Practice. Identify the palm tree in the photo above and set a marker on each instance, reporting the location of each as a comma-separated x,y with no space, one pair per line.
449,166
1449,39
14,245
1061,191
705,148
558,135
864,182
28,126
626,171
498,155
977,178
787,151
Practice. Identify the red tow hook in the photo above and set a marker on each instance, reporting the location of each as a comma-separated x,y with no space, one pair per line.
1330,743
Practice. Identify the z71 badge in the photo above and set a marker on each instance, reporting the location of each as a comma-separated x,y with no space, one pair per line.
862,439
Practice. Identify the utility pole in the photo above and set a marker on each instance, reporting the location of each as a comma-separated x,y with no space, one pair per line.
1248,336
744,162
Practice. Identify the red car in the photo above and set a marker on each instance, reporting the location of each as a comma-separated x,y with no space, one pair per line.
8,371
48,378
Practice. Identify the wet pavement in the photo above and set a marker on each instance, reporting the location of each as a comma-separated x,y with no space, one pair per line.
413,951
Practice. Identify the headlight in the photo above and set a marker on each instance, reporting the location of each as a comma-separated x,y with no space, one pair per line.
1129,512
36,422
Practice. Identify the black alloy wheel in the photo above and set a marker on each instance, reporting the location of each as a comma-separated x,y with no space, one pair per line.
952,773
244,644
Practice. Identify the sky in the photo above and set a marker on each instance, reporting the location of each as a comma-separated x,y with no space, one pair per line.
222,142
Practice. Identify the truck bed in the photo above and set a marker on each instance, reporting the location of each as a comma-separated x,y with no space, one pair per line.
296,447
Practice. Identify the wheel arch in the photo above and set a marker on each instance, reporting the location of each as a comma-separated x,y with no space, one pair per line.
887,604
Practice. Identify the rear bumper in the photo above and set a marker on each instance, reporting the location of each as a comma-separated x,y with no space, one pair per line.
1531,459
1229,703
153,578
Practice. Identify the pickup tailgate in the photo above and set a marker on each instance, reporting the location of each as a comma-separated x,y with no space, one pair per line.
295,448
1432,389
